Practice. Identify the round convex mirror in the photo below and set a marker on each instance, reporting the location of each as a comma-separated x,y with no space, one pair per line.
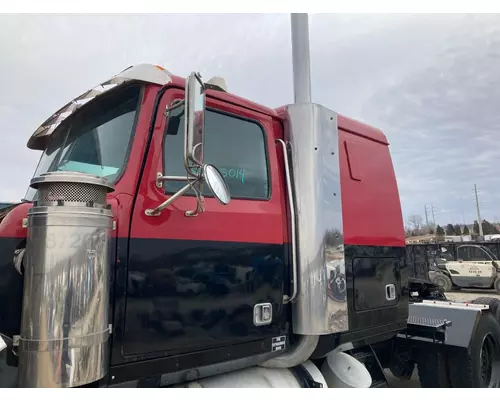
216,183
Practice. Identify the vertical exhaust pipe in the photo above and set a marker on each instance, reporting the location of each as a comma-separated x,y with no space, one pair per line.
301,58
305,344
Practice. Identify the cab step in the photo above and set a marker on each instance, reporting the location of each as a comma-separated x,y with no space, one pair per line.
368,357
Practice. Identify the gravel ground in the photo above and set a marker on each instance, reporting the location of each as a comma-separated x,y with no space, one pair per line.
398,383
468,295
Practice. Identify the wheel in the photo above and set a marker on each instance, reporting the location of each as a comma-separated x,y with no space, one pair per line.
492,302
401,363
431,367
496,285
479,367
442,280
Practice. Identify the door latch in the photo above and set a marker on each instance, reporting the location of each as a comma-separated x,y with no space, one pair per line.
390,292
262,314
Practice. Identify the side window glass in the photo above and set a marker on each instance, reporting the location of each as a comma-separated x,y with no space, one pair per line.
235,146
478,254
463,254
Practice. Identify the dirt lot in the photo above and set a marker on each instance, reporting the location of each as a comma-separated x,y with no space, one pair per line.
468,295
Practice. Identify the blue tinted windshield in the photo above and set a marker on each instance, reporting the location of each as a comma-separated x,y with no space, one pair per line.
95,141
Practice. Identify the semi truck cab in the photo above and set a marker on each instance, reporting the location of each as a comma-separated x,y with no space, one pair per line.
297,241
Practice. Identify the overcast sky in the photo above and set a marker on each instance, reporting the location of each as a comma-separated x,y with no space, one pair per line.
431,82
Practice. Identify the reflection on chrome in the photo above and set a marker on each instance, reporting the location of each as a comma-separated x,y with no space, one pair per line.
65,326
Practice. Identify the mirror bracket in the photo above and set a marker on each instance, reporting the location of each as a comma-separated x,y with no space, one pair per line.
154,212
175,104
160,178
200,205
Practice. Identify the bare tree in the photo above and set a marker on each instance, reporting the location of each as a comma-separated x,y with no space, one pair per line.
416,223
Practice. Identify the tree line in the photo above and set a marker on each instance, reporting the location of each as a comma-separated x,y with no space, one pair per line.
415,226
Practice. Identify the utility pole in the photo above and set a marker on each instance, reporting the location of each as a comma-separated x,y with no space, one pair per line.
479,220
433,215
426,217
462,206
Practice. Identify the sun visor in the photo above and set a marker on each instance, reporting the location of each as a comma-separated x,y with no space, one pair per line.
143,72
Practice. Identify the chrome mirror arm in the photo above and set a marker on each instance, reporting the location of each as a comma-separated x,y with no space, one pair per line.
160,178
200,206
175,104
153,212
194,158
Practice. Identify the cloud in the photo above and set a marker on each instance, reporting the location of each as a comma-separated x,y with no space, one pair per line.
443,125
429,81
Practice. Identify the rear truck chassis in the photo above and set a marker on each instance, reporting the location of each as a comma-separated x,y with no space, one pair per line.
449,344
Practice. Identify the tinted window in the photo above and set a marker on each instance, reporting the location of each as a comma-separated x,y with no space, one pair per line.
235,146
489,250
478,254
463,253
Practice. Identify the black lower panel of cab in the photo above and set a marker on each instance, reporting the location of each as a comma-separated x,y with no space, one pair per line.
372,280
11,288
185,304
186,295
369,270
187,366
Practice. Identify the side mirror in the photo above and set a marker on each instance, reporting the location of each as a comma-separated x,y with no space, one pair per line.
216,183
197,172
194,128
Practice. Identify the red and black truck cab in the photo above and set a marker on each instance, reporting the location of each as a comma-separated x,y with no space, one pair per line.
184,288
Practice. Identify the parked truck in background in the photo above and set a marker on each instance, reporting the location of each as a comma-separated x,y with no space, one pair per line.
469,265
176,234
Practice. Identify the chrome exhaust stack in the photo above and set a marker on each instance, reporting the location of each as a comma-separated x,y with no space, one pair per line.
65,327
312,145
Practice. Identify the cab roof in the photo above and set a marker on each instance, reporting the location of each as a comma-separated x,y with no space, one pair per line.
355,127
160,76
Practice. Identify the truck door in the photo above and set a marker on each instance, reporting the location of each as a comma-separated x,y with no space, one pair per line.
194,281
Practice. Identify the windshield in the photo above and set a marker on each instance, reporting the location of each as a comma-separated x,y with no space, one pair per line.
95,141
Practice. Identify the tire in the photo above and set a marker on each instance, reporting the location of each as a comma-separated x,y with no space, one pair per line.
431,367
442,280
401,363
493,303
478,367
496,285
